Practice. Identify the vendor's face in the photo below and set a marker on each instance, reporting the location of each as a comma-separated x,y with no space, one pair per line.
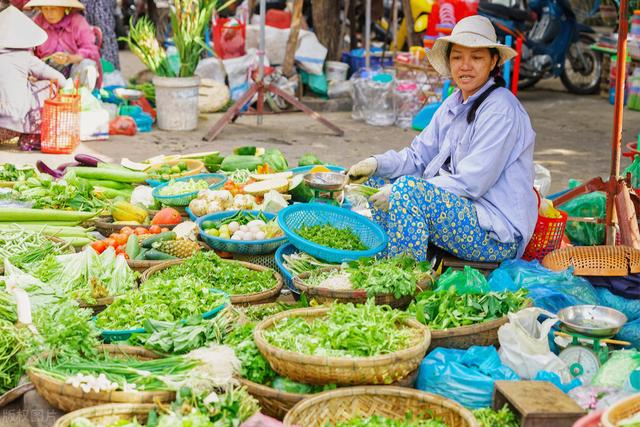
470,68
53,14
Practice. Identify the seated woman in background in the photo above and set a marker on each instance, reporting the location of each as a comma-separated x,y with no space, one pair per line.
71,47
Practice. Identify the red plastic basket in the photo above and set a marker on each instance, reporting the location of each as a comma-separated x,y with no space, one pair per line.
60,133
547,236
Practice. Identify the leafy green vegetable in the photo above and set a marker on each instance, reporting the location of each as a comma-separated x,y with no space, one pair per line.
175,188
290,386
346,331
332,237
448,309
7,307
9,172
23,247
380,421
487,417
396,275
309,160
253,365
300,262
275,159
72,193
168,299
11,344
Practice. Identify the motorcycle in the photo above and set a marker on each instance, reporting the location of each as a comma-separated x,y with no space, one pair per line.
555,44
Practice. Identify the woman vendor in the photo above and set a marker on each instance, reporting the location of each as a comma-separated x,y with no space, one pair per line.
465,184
71,47
24,85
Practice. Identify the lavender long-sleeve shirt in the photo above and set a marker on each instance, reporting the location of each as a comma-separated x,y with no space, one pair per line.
489,161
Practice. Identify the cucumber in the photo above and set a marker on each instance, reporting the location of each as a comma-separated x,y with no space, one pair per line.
133,247
154,255
149,241
142,254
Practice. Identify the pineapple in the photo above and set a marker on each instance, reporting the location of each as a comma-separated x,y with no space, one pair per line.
180,248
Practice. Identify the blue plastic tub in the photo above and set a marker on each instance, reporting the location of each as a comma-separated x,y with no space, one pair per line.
292,218
287,277
217,180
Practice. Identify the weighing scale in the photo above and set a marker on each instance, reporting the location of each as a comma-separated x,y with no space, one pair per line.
127,95
589,329
327,187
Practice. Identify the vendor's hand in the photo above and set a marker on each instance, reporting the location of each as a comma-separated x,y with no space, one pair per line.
362,170
380,200
74,59
60,58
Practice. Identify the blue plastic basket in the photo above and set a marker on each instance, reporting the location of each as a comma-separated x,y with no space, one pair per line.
123,335
287,277
192,216
255,247
296,216
185,198
307,169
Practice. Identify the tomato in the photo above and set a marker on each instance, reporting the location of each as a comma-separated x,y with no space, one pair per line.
164,229
167,216
155,229
110,242
113,235
121,239
99,246
126,230
141,230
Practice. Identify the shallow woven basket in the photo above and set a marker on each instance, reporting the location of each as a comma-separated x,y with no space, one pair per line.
68,398
14,394
620,411
105,226
382,369
393,402
356,296
269,295
595,260
108,414
276,403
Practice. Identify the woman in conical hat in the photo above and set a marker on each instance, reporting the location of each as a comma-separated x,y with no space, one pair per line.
25,79
465,184
71,46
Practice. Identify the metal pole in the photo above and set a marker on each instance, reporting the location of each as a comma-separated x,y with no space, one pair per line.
263,25
616,139
367,35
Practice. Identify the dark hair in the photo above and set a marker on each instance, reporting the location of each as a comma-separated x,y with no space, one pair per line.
497,78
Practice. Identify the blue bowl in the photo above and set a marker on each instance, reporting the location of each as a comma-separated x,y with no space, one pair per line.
287,249
192,216
254,247
185,198
292,218
307,169
109,336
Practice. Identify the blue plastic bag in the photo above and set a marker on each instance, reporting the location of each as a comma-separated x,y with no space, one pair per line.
630,307
631,332
554,379
550,290
466,376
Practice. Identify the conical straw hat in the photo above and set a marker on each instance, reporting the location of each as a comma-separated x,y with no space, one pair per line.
75,4
19,32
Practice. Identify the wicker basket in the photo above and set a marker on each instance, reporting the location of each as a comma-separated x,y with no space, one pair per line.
356,296
595,260
108,414
68,398
621,411
383,369
394,402
105,226
269,295
14,393
276,403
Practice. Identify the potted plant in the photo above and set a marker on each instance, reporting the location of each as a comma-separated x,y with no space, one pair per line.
176,85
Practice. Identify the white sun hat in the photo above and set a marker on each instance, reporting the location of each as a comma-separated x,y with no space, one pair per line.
19,32
472,31
74,4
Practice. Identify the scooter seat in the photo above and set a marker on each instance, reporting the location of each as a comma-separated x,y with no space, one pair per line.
510,13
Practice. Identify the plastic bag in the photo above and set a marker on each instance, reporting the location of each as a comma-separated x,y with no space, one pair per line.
554,379
615,372
524,345
587,205
467,281
634,170
630,307
466,376
542,180
123,125
590,397
631,332
550,290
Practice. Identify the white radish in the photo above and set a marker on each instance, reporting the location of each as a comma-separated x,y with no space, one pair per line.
236,237
234,226
260,235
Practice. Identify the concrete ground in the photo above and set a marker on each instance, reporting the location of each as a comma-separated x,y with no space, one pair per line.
573,141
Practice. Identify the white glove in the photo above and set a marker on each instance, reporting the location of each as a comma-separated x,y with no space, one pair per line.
362,170
380,200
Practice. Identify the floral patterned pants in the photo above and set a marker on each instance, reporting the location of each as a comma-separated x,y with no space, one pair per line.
421,213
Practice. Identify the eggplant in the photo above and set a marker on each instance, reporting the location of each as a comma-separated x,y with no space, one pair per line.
63,167
88,160
43,168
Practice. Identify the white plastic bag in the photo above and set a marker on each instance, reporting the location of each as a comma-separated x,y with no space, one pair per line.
524,346
542,180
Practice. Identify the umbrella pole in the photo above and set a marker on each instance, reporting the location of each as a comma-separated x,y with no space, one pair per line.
616,140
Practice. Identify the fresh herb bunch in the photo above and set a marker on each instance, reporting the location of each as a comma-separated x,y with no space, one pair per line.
300,262
396,275
9,172
487,417
379,421
160,299
11,344
347,330
208,268
253,365
72,193
448,309
332,237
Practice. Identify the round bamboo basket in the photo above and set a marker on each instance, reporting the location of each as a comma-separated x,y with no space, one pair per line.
14,394
621,411
105,226
382,369
393,402
276,403
356,296
108,414
68,398
267,296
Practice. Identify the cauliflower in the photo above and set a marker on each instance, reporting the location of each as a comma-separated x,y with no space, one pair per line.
244,201
215,206
223,196
198,207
